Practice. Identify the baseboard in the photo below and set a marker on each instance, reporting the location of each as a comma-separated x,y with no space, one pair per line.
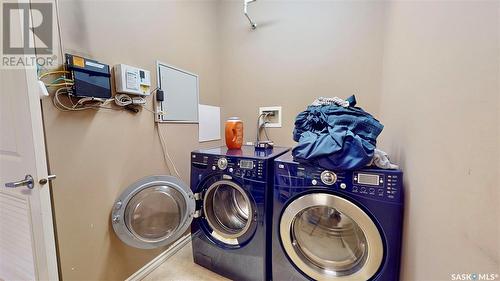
161,258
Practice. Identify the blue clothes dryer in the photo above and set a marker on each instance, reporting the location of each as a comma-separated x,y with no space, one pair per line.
336,225
233,189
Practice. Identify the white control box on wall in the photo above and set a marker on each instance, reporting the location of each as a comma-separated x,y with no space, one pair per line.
132,80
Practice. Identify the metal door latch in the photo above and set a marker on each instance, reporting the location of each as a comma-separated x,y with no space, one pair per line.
49,178
28,182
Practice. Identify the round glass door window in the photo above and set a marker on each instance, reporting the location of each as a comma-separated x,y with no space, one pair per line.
229,211
153,212
330,238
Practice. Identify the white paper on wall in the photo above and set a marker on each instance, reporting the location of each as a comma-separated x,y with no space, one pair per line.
209,123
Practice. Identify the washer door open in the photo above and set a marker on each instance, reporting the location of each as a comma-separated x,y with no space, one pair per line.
153,212
330,238
229,211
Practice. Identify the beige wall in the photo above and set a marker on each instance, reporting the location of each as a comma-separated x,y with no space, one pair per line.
300,50
97,154
440,104
427,70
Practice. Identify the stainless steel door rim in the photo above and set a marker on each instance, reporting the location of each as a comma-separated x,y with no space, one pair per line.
366,256
153,212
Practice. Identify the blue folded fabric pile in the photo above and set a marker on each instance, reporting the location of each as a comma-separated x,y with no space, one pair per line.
336,137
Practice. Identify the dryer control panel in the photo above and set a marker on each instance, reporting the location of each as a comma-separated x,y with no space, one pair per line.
371,182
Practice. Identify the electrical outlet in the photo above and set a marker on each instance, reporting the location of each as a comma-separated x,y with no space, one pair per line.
273,117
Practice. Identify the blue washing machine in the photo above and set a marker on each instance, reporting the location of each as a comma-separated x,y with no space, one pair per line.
336,225
227,207
233,189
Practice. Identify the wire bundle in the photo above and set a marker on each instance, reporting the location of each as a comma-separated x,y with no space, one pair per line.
64,89
262,125
80,103
61,81
73,103
124,100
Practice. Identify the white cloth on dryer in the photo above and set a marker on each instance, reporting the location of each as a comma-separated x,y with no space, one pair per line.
327,101
381,160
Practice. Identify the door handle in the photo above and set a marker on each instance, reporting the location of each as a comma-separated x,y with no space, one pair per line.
28,182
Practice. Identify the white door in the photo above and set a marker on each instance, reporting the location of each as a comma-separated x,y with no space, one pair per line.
27,245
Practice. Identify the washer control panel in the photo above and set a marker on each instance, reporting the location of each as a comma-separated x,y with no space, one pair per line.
247,168
234,166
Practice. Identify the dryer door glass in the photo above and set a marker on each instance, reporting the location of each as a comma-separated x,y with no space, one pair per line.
328,237
153,212
228,210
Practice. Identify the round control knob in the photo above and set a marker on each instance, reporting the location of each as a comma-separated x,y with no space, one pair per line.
343,186
231,170
222,163
328,177
314,182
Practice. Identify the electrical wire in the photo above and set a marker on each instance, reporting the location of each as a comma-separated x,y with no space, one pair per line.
124,100
121,100
61,78
147,109
62,106
166,155
80,105
65,84
58,20
259,126
265,129
53,72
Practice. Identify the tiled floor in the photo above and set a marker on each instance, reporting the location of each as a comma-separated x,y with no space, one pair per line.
180,267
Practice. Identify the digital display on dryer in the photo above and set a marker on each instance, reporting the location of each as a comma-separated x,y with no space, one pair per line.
369,179
246,164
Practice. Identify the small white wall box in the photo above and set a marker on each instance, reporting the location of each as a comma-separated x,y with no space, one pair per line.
132,80
273,117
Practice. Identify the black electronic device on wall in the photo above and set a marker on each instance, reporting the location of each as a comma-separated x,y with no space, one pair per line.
91,78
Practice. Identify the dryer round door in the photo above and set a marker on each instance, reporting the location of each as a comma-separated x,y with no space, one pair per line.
230,212
153,212
330,238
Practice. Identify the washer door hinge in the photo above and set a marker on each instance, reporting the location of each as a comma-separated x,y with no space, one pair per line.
197,196
197,214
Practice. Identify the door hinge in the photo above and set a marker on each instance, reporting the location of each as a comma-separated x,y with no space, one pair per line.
197,196
197,214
